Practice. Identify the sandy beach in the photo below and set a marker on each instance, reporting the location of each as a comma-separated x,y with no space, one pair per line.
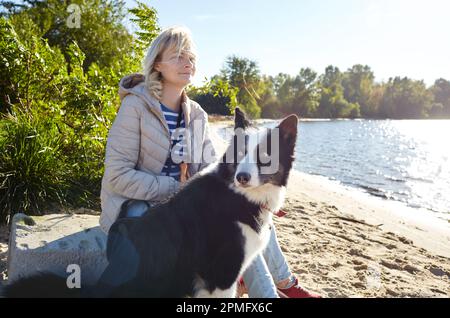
344,246
342,243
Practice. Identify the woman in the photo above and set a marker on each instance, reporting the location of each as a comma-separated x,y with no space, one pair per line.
156,119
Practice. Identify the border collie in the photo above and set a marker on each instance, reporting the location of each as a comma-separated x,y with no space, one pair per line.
200,241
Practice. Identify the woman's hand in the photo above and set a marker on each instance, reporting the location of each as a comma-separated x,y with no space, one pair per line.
184,176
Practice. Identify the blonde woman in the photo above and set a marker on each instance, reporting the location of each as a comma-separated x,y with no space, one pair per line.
154,109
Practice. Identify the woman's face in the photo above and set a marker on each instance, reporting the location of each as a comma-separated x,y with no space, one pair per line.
176,69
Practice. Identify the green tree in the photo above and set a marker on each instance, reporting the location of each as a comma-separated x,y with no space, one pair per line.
441,99
375,99
306,97
268,102
101,34
216,96
299,94
332,102
405,98
358,84
244,74
146,18
31,68
278,81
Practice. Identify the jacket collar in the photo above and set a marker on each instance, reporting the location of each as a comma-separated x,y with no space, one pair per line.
135,84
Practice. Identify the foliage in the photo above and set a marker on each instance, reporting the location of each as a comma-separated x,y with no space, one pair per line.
216,96
33,168
58,100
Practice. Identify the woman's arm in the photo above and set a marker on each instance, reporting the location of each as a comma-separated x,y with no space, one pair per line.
122,153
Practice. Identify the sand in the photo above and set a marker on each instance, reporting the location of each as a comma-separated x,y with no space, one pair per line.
342,246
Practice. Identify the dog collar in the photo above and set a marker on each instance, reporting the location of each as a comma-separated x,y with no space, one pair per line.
280,213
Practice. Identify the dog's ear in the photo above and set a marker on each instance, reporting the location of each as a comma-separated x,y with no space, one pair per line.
288,128
240,120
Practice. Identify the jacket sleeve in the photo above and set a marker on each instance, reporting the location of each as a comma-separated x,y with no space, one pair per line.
122,153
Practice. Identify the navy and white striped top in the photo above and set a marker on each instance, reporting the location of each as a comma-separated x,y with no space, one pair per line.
171,119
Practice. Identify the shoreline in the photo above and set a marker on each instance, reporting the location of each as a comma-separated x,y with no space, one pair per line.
424,229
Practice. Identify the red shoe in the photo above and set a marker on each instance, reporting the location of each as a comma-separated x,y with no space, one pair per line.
297,291
241,288
280,213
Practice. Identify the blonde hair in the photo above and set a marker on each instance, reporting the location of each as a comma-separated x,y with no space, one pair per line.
176,37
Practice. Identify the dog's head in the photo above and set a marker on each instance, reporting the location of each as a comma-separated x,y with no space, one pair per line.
258,161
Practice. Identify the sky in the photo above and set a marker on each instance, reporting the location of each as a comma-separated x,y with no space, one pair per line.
394,37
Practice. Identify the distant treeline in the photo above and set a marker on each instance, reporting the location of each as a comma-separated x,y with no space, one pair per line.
333,94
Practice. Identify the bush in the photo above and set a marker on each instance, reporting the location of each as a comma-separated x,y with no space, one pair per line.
58,98
33,169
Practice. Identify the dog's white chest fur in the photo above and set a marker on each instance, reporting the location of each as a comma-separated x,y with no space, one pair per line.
255,242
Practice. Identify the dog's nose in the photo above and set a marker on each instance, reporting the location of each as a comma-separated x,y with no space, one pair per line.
243,177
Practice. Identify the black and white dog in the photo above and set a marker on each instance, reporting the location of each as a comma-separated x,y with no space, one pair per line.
201,240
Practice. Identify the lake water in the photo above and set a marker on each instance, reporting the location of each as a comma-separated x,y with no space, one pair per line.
401,160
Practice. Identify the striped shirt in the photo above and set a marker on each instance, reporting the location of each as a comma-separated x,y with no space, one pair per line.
171,118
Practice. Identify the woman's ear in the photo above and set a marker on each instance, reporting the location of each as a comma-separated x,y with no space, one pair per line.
156,67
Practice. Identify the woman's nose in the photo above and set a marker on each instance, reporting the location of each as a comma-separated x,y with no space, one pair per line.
188,63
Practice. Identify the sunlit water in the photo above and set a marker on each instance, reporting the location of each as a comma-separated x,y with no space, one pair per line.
401,160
